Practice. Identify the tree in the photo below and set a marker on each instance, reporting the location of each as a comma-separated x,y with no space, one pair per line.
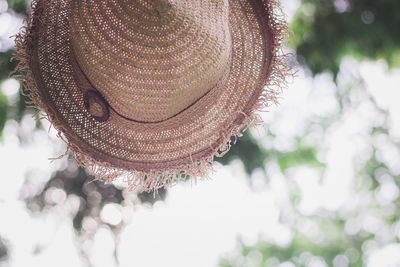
327,30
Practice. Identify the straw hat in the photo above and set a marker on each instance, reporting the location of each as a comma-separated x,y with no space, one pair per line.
151,89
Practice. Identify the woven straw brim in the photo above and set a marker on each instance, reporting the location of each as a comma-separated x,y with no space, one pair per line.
153,155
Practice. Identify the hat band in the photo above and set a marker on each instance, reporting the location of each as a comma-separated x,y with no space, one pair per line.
98,107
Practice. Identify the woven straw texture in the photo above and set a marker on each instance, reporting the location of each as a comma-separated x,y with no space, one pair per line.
151,89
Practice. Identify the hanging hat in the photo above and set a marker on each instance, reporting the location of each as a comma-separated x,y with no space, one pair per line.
151,90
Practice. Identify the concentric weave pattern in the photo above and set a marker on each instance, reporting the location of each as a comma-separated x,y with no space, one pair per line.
149,64
180,78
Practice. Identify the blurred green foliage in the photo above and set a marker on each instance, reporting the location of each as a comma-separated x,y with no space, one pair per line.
3,250
300,156
6,66
19,6
302,249
253,156
246,145
3,112
339,237
93,195
327,30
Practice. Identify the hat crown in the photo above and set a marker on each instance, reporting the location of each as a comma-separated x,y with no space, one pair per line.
151,59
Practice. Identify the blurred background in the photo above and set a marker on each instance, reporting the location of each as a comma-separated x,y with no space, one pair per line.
319,186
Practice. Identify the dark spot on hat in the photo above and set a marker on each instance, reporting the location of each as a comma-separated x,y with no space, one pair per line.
97,105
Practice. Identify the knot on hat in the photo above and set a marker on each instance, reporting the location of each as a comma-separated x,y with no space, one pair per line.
97,106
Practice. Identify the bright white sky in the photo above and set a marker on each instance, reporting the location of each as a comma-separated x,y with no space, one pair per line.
199,224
